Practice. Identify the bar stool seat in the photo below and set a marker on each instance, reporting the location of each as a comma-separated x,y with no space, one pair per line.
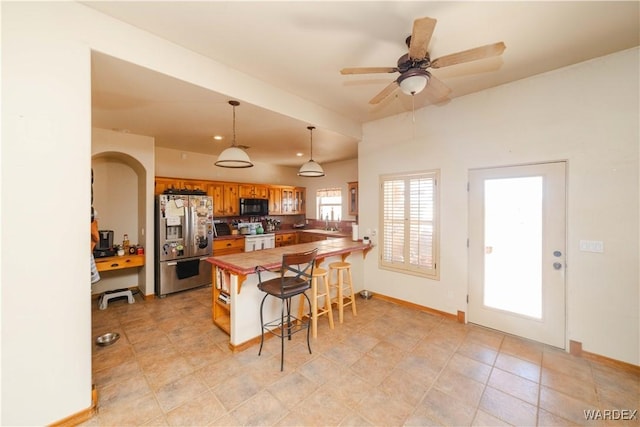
318,290
344,284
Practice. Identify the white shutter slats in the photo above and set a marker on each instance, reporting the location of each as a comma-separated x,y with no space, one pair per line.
393,221
409,223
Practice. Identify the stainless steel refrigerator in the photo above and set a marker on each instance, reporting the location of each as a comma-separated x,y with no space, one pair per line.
184,240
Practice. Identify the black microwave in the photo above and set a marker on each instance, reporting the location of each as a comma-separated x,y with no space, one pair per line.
254,207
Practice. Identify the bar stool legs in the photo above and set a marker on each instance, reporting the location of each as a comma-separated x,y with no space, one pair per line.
342,269
319,289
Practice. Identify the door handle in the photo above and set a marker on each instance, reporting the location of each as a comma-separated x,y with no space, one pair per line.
557,265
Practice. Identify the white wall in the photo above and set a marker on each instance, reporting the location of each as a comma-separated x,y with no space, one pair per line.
124,172
46,161
46,182
587,114
181,164
337,175
46,157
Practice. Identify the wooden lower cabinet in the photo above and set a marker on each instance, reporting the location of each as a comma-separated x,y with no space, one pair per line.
310,237
228,246
286,239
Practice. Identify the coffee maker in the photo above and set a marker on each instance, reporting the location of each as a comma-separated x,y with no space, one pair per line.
104,246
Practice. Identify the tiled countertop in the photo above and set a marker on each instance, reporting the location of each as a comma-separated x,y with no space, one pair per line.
271,259
293,230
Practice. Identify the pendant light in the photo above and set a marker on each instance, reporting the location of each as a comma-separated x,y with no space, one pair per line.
311,168
234,156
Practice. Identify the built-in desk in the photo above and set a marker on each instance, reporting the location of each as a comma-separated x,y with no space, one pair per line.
119,262
235,294
114,263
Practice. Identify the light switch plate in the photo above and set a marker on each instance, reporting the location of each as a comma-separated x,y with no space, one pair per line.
596,246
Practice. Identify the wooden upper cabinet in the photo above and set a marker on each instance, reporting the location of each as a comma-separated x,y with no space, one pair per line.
287,200
353,198
251,191
192,184
275,200
225,199
283,200
299,200
164,184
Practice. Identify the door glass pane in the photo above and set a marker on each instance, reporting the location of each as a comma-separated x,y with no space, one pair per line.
513,245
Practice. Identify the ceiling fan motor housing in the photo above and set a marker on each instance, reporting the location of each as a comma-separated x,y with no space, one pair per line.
405,63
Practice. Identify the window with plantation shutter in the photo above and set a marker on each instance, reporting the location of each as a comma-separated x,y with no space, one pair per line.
409,223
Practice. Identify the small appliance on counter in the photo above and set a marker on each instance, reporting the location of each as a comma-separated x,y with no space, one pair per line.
104,246
221,228
250,228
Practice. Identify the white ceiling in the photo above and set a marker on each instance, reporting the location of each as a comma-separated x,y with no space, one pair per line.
298,47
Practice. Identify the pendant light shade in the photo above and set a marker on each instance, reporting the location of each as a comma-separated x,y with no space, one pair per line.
311,168
234,156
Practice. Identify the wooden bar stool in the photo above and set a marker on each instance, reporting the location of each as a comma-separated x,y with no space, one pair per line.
318,290
343,284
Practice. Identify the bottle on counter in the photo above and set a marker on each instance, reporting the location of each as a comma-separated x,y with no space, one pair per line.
125,243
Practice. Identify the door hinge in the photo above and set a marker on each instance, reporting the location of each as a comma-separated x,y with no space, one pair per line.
467,298
467,242
467,186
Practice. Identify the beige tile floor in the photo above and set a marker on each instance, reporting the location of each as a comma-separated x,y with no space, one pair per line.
389,365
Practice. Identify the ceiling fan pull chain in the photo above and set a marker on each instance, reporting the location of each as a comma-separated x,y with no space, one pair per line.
413,108
413,115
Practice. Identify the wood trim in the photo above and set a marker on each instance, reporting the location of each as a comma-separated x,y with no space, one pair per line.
245,345
575,349
403,303
82,416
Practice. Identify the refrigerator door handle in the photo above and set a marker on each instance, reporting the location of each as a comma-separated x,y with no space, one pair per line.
187,229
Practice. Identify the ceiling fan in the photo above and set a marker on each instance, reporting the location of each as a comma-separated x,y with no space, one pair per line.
413,66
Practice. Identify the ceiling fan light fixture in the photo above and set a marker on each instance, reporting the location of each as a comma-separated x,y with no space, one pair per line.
413,81
234,156
311,169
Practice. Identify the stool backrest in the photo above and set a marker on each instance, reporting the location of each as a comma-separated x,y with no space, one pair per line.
301,264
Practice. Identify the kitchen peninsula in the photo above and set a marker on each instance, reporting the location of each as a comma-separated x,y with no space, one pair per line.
235,294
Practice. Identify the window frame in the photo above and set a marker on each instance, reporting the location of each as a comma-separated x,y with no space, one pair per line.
432,269
339,207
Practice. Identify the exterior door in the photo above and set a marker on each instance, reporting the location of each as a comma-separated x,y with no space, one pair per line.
517,243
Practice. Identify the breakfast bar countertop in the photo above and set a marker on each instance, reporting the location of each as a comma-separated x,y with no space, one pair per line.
243,264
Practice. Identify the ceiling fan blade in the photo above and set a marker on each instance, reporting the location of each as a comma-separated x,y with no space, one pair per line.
420,37
436,90
474,54
368,70
391,87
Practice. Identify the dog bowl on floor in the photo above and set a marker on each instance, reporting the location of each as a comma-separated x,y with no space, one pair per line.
107,339
366,294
